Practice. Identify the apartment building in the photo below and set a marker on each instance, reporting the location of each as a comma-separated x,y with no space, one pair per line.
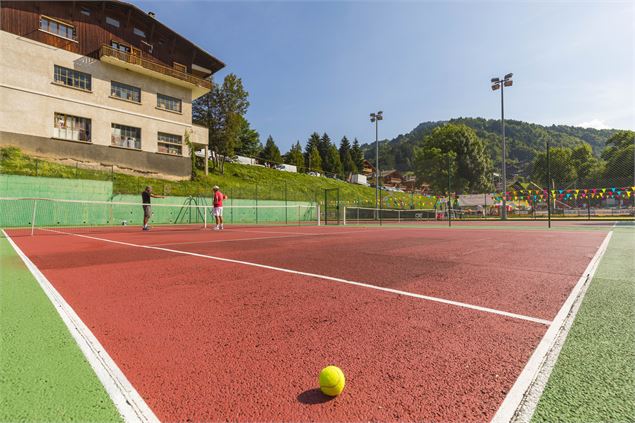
102,82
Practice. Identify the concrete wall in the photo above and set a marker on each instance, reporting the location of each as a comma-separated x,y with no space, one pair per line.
30,98
107,156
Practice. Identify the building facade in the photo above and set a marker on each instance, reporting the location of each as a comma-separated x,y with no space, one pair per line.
102,82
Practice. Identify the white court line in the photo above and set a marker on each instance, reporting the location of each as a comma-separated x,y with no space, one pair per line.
329,278
515,397
125,397
291,235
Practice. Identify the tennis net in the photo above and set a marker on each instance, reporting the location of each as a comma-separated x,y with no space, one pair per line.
365,215
40,215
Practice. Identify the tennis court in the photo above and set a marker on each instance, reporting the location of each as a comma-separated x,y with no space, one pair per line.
427,323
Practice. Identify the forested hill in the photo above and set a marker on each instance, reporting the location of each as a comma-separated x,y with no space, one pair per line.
524,141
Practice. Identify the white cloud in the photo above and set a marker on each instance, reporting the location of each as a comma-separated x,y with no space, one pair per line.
594,123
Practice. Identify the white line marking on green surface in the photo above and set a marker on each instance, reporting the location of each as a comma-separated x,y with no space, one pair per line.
125,397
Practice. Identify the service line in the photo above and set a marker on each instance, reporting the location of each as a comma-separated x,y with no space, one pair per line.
324,277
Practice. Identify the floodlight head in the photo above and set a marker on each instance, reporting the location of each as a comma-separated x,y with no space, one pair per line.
509,75
372,115
495,80
372,119
380,112
509,83
495,87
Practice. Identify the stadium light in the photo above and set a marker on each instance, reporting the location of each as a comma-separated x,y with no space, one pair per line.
375,118
498,84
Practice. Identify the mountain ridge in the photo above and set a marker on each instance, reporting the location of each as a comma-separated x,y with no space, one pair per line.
524,140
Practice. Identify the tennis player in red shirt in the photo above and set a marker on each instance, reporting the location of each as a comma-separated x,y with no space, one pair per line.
218,207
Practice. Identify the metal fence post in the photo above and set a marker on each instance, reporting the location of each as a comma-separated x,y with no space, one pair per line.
33,217
449,203
256,203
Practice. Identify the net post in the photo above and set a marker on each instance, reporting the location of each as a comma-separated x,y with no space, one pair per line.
398,216
205,217
317,208
33,218
344,216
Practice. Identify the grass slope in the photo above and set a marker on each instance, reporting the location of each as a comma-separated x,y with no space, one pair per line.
43,374
238,181
594,378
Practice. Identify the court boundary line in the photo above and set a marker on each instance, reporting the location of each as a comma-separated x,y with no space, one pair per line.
512,405
130,405
324,277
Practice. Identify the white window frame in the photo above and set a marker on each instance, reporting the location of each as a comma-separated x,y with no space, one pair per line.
163,100
113,22
74,76
122,138
167,143
58,24
72,128
123,87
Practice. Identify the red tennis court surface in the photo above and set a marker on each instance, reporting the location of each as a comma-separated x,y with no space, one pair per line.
227,325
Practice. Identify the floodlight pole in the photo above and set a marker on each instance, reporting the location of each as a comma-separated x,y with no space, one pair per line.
375,118
496,84
376,162
504,212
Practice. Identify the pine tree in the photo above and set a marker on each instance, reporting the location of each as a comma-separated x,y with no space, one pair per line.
323,147
345,152
333,161
314,161
357,155
271,152
348,164
294,156
313,141
248,140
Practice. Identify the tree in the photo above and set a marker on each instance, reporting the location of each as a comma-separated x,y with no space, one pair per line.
314,161
323,147
294,156
589,168
345,156
333,163
221,111
313,141
357,155
563,168
620,158
473,165
271,152
248,140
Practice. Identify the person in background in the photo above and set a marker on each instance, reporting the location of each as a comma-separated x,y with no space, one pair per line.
146,195
218,207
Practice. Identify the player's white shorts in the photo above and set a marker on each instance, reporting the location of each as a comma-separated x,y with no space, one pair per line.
217,211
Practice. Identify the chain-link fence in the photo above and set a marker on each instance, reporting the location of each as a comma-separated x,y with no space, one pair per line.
559,182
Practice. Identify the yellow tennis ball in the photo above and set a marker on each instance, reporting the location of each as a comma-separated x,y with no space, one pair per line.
332,381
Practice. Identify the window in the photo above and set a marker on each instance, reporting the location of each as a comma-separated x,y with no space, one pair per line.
118,46
112,21
72,78
180,67
170,144
58,28
168,103
69,127
85,11
125,136
125,92
139,32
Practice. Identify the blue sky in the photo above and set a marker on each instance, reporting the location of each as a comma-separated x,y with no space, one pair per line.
324,66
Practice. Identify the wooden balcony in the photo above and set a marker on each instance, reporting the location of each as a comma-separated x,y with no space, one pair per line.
137,63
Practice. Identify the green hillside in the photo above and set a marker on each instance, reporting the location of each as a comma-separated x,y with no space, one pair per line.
238,181
524,141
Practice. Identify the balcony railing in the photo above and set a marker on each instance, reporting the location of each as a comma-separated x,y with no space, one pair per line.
138,60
